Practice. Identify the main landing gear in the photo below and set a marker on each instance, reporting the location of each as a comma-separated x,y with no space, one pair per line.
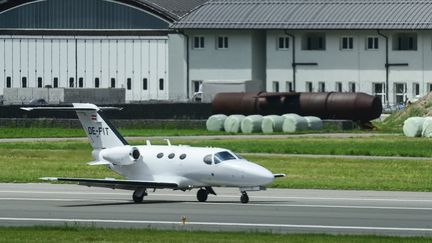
138,195
202,193
244,198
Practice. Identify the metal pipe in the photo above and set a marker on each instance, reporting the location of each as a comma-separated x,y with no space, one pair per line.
387,67
349,106
294,67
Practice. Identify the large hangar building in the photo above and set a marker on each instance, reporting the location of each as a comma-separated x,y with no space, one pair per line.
168,49
95,44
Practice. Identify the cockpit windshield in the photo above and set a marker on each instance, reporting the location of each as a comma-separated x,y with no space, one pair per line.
222,156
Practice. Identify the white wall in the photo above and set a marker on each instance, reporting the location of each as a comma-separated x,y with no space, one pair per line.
231,64
358,65
66,57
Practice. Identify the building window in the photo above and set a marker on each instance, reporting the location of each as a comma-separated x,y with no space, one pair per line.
372,43
309,87
338,86
145,84
275,86
112,82
314,41
81,82
416,89
222,42
40,82
197,86
129,83
352,87
429,87
71,83
378,89
289,86
55,82
97,83
347,43
24,82
283,43
198,42
321,87
8,82
405,42
400,93
161,84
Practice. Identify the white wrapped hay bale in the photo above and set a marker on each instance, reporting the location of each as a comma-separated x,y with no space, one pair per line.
314,123
271,124
251,124
293,123
413,126
427,127
233,123
216,122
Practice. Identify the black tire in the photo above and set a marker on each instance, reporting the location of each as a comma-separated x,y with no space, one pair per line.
202,195
244,198
137,199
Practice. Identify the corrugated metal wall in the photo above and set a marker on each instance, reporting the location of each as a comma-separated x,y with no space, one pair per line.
136,64
79,14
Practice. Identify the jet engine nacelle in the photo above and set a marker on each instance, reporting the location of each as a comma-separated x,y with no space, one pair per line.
125,155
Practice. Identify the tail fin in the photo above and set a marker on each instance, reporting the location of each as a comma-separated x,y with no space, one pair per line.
101,133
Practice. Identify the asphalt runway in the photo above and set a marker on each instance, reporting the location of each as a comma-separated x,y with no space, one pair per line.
274,210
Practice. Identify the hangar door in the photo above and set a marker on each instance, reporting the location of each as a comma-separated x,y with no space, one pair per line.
139,65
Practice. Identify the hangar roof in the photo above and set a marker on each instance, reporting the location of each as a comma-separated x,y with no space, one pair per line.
168,9
310,14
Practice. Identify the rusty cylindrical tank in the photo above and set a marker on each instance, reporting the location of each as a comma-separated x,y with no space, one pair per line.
332,105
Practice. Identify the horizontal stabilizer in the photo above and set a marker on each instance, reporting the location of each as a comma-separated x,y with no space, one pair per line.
116,184
279,175
76,107
99,163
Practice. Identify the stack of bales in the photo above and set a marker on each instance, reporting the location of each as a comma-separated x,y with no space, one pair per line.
288,123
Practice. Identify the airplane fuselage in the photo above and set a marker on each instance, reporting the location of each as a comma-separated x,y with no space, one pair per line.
193,167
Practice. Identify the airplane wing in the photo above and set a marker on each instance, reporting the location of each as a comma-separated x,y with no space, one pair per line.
115,184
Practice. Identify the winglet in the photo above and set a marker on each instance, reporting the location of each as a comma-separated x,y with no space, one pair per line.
279,175
48,178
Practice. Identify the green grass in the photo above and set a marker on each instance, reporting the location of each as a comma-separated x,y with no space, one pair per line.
26,162
75,132
377,146
81,234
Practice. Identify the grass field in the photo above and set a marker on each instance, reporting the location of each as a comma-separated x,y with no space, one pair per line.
78,234
26,162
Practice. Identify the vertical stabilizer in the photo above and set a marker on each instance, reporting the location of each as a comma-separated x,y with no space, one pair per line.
101,133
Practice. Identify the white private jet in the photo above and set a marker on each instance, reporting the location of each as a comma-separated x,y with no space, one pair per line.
161,166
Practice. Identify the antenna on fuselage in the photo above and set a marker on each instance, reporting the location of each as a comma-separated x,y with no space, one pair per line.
148,143
168,141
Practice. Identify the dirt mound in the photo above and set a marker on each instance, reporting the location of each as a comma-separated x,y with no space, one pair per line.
421,108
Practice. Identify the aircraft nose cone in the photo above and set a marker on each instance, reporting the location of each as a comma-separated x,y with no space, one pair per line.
266,176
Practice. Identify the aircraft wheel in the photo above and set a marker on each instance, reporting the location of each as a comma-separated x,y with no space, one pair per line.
244,198
202,195
138,196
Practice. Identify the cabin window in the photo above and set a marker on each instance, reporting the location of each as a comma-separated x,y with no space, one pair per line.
208,159
182,156
171,156
159,155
